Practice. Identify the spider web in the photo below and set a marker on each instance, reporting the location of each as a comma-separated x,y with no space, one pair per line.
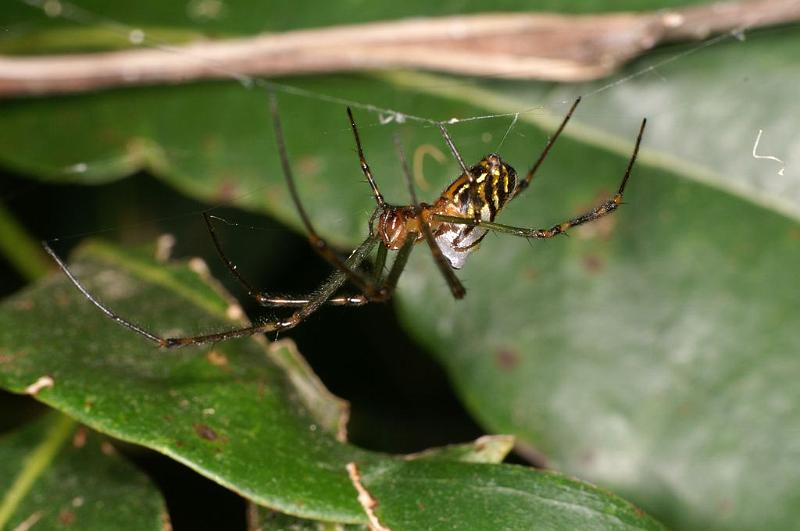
769,155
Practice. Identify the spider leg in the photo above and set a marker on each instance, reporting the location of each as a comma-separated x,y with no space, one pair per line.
233,268
334,282
287,301
470,177
523,184
456,287
380,262
328,288
454,150
102,307
364,166
603,209
270,300
357,299
360,280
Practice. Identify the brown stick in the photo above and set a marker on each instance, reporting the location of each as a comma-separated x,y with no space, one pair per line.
509,45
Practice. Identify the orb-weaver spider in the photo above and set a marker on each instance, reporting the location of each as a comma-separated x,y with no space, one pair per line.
452,227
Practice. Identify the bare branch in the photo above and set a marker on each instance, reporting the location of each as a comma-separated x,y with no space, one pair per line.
508,45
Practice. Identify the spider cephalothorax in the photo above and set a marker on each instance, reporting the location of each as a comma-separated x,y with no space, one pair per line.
453,227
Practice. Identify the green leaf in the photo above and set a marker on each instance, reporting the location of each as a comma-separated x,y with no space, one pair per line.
405,502
55,474
226,412
252,418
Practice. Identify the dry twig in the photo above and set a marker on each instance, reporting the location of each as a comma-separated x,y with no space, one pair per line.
509,45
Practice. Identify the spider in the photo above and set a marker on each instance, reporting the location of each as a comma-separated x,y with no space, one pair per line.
452,227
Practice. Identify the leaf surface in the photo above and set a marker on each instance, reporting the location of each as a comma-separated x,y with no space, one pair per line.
254,419
55,474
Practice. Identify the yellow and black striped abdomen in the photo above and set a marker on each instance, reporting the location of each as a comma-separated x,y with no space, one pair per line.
487,190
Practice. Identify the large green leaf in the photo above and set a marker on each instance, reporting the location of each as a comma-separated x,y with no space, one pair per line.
653,352
257,422
403,501
55,474
656,354
518,499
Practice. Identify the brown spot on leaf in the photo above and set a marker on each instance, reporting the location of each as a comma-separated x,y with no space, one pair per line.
506,358
24,305
79,439
308,166
593,264
587,458
530,273
226,191
62,299
66,517
725,506
108,449
205,432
